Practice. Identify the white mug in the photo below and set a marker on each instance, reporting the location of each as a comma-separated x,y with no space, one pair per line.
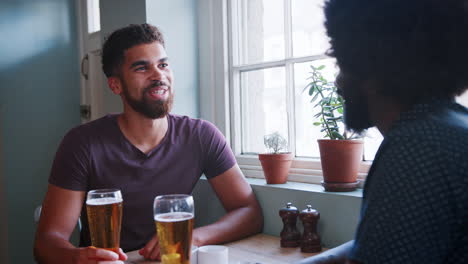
194,256
213,255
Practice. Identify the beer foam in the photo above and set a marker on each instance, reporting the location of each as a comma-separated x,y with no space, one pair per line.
103,201
173,217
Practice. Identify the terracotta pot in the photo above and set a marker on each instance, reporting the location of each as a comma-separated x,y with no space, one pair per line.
340,163
276,167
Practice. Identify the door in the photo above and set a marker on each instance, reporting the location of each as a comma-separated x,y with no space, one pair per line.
96,98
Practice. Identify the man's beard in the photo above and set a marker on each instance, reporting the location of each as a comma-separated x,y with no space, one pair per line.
150,108
356,111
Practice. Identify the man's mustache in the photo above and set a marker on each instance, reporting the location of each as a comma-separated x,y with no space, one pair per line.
156,84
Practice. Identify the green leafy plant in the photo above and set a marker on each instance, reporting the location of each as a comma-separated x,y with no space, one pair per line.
326,98
275,143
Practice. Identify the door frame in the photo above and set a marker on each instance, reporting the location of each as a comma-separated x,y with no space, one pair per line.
88,45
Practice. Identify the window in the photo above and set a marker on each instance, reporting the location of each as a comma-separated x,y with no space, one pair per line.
255,58
94,20
273,45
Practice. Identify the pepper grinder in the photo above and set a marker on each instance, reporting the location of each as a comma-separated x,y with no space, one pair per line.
310,241
290,236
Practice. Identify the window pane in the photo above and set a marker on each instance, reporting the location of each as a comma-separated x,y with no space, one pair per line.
306,133
308,30
94,19
463,99
264,111
372,142
260,26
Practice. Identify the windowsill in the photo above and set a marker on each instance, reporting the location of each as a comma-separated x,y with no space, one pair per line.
303,170
304,187
300,186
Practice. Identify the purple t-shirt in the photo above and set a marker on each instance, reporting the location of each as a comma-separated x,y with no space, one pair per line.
96,155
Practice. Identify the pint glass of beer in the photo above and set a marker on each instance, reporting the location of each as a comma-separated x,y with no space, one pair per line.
173,215
104,209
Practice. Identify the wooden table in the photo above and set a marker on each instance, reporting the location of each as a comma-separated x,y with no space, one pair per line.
261,249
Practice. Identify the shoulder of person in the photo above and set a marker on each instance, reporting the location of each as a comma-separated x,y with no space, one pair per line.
453,118
446,126
91,129
446,130
183,121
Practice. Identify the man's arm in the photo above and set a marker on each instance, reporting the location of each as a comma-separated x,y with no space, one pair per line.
336,255
60,211
244,215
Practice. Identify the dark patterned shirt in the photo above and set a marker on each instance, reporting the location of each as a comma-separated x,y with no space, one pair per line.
415,204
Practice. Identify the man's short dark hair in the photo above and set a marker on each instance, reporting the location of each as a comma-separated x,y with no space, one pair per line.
414,49
119,41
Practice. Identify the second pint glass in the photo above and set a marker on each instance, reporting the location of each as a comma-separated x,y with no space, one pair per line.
104,209
173,215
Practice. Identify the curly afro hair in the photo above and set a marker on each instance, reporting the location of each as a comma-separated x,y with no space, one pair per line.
414,49
119,41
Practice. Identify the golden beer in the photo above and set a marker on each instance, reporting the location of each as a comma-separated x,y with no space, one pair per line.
105,220
175,237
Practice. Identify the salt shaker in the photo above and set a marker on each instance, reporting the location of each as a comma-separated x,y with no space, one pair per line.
290,236
310,241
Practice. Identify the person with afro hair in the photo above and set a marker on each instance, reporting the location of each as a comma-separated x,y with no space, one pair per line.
402,64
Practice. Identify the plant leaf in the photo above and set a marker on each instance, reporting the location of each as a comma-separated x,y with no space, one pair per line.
312,88
314,97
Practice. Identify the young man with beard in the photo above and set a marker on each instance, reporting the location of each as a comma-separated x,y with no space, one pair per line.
144,151
402,63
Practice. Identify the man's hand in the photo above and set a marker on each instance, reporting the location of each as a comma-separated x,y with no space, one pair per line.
336,255
151,249
323,260
60,212
92,255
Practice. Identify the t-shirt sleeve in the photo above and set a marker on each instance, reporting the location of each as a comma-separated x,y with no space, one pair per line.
218,156
408,212
70,166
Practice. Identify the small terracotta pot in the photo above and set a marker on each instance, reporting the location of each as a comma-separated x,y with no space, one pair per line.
340,160
276,167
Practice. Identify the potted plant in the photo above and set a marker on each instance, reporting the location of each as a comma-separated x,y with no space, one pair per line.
275,163
340,152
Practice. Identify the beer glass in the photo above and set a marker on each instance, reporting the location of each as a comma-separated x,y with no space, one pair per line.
104,208
173,215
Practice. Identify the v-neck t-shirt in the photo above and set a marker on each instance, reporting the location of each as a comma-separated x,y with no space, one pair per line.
97,155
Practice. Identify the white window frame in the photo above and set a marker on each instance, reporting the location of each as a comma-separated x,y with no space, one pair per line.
216,97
